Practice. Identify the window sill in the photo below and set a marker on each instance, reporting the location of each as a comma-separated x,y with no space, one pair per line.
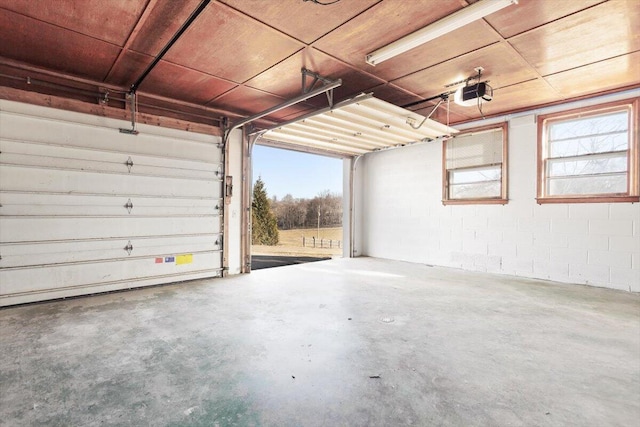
476,202
589,199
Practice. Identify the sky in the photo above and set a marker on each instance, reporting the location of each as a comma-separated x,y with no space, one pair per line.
300,174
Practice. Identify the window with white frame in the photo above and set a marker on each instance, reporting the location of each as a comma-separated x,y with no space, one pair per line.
589,155
474,166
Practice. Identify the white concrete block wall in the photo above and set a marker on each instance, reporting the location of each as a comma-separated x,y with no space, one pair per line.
403,218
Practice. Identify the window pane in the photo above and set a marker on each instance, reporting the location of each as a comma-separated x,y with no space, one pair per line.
588,166
475,175
484,148
474,191
588,145
608,184
606,123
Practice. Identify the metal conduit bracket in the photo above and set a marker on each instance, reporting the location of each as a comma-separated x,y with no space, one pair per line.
316,78
132,97
411,121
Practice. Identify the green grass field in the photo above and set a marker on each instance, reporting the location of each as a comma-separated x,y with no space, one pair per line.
291,243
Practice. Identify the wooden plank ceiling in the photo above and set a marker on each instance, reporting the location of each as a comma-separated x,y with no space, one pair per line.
241,57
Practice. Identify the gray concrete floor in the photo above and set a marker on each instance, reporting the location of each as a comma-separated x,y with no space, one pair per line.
360,342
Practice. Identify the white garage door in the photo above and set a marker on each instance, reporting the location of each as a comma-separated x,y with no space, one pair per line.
85,208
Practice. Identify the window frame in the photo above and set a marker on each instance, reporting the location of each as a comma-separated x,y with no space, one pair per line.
632,195
503,198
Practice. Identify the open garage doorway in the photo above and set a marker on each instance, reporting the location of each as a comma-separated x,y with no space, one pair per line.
297,207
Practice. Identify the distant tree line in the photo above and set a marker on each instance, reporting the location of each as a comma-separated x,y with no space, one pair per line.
294,212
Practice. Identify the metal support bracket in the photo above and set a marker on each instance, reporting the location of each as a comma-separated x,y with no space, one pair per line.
132,97
411,120
316,78
104,99
129,248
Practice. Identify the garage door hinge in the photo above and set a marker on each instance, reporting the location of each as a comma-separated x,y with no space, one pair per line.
129,248
129,163
129,206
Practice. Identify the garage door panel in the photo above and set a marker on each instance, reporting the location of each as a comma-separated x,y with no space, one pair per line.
78,290
16,280
61,157
37,229
27,204
51,131
46,253
24,178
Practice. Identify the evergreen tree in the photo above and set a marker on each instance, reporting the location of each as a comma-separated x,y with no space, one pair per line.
264,224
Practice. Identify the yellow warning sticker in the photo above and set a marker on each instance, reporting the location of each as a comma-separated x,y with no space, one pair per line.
184,259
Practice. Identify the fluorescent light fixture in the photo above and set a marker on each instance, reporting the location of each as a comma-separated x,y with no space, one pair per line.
467,15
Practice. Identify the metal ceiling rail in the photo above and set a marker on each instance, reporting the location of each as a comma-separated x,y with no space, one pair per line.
357,98
328,86
203,4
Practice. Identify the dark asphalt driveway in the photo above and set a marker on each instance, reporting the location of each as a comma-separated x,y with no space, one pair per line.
267,261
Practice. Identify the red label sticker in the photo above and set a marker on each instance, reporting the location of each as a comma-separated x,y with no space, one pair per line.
159,260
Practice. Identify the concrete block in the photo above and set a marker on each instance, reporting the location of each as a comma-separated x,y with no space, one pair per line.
519,237
480,262
611,227
550,270
494,264
589,274
474,247
466,235
462,211
569,255
524,251
624,211
456,259
589,211
635,261
551,211
552,240
570,226
609,258
589,241
519,209
517,266
534,225
451,245
559,271
626,278
503,222
541,269
624,243
541,253
474,222
489,235
502,249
